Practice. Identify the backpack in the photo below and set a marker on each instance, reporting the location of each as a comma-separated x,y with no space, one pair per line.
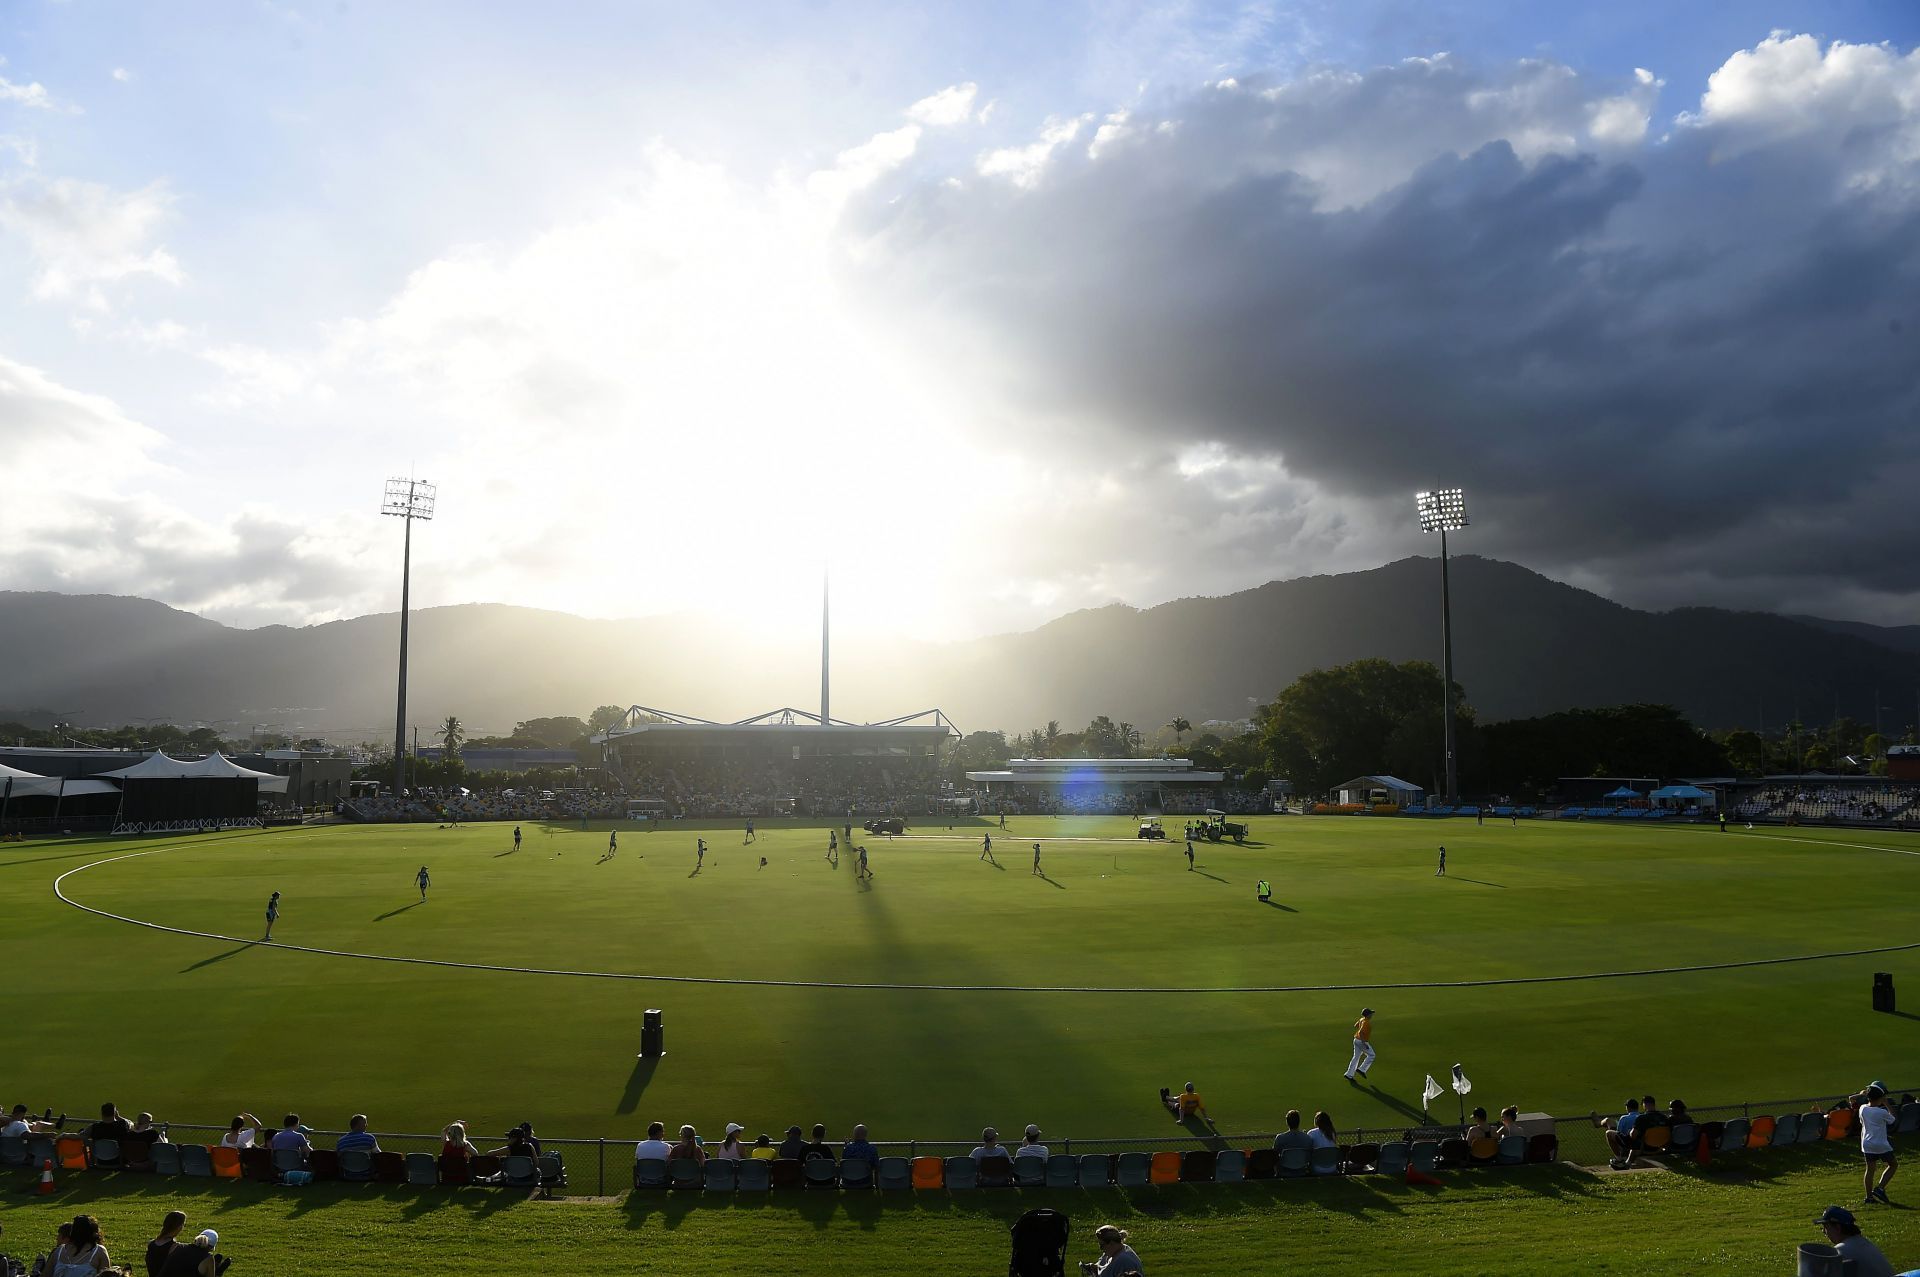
1039,1244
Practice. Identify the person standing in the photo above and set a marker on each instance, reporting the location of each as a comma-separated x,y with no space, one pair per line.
422,879
1441,872
864,872
749,837
613,843
1036,859
986,849
1265,889
1189,855
516,837
1876,1140
1362,1045
273,914
1003,820
699,854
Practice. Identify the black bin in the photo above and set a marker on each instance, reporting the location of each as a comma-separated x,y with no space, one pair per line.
653,1036
1883,991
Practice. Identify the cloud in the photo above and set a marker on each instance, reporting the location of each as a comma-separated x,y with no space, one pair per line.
33,94
80,235
123,75
951,105
1682,364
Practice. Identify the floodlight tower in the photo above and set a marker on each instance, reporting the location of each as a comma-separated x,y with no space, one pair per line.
1444,511
406,499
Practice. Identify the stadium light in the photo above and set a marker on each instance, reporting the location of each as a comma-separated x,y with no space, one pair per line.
407,500
1444,510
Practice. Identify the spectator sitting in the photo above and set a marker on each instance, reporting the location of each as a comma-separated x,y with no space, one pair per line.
1510,1122
457,1145
196,1258
793,1147
291,1136
859,1149
1185,1105
1031,1145
111,1125
83,1250
1677,1114
140,1139
159,1247
1862,1257
688,1149
1323,1136
989,1146
1116,1257
1478,1129
652,1148
21,1124
1293,1136
730,1148
241,1132
819,1147
520,1143
763,1149
357,1136
1619,1134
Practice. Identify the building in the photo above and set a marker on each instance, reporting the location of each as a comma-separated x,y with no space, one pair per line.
1099,784
490,758
1377,791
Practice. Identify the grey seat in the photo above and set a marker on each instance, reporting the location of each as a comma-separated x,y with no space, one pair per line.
754,1175
517,1171
1813,1128
1030,1171
1786,1129
1513,1150
1230,1166
1096,1170
1295,1162
196,1159
723,1176
856,1172
1424,1156
13,1151
1133,1170
1063,1170
166,1159
961,1172
105,1154
1326,1161
553,1170
819,1172
1394,1159
1733,1136
895,1172
684,1172
1909,1118
356,1164
650,1172
423,1170
288,1159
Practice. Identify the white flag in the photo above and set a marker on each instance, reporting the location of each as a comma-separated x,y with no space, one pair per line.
1460,1084
1432,1093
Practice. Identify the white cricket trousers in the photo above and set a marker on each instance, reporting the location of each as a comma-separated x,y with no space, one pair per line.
1362,1057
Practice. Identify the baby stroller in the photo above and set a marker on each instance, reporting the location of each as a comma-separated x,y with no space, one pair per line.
1039,1244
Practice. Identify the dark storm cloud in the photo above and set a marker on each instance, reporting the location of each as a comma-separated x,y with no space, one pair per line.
1684,362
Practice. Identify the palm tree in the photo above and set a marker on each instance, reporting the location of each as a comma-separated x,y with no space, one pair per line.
451,735
1180,728
1053,735
1130,737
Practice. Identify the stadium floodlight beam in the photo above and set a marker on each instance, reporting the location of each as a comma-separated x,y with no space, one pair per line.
406,499
1445,510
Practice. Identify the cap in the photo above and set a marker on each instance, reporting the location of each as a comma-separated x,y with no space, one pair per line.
990,1134
734,1128
1366,1010
1033,1132
213,1238
793,1130
1835,1215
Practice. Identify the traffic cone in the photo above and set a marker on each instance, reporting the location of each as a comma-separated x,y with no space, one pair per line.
1421,1177
46,1177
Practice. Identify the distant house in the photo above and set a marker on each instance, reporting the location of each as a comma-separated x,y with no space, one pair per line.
1372,791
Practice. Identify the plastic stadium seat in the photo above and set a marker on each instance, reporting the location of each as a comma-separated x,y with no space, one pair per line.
226,1162
483,1168
13,1151
856,1172
1484,1149
650,1172
1786,1129
1424,1156
287,1159
895,1174
1394,1159
1454,1151
1196,1166
1132,1170
106,1155
1909,1119
1096,1170
755,1174
389,1168
1230,1167
519,1171
1759,1132
553,1170
256,1164
1262,1163
1326,1161
992,1172
1165,1167
1813,1128
1683,1139
722,1175
962,1172
1840,1124
1654,1138
356,1164
1295,1162
423,1170
197,1159
1711,1133
324,1163
684,1172
1542,1148
929,1172
820,1172
1511,1150
1030,1171
1063,1170
166,1159
785,1172
455,1170
70,1151
1733,1135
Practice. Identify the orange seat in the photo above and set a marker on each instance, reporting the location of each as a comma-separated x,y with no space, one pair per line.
1484,1149
1839,1124
1656,1137
1760,1133
226,1161
929,1172
1165,1168
71,1151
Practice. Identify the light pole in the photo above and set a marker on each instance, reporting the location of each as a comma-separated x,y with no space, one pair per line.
406,499
1444,511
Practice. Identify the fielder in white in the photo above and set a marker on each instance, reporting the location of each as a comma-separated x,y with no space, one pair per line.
1362,1045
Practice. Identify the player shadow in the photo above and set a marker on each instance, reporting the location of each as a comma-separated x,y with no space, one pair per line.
1905,1015
696,871
1400,1106
863,881
636,1085
508,852
1204,874
221,957
1275,904
1478,882
996,864
391,913
1050,882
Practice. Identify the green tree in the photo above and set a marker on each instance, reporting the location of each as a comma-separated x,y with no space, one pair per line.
451,735
1052,742
1180,728
604,718
1746,752
1333,724
560,732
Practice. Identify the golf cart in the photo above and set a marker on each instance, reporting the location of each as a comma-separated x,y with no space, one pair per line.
886,825
1219,828
1150,829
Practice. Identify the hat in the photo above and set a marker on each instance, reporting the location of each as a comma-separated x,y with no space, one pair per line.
1835,1215
1033,1132
990,1134
793,1130
734,1128
213,1238
1366,1010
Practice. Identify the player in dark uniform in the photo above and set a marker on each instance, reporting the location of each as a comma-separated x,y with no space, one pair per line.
421,878
273,913
1441,872
1036,859
699,853
986,848
516,837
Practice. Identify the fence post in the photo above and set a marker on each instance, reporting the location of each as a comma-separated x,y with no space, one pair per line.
1069,1148
603,1167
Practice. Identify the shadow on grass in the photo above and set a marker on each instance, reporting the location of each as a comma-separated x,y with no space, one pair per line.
394,913
1400,1106
1051,883
642,1074
997,865
220,957
1204,874
1762,1166
1275,904
1475,881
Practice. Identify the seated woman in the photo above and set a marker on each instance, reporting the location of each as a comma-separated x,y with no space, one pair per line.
1478,1128
160,1247
688,1149
196,1258
457,1145
1323,1136
83,1251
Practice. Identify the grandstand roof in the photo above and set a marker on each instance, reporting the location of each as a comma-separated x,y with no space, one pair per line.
1086,771
642,720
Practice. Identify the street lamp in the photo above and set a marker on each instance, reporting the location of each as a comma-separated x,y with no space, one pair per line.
406,499
1445,510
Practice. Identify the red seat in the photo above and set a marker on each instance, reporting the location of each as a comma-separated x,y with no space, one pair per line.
455,1170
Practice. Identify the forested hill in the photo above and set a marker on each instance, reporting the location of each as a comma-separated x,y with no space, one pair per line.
1524,645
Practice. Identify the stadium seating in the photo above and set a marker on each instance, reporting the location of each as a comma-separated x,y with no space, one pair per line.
1196,1166
1786,1129
1164,1168
1454,1152
755,1174
1360,1157
1760,1132
722,1175
993,1172
1544,1147
1909,1119
105,1155
1483,1150
13,1151
1654,1137
1424,1156
324,1163
962,1173
856,1173
389,1168
1096,1170
287,1159
1030,1171
553,1171
1263,1163
650,1172
929,1172
226,1162
70,1151
1133,1170
197,1159
1733,1135
518,1171
1813,1128
1294,1162
1840,1123
786,1172
1683,1139
455,1170
166,1158
1063,1171
423,1170
356,1164
1230,1167
1511,1150
1394,1159
820,1172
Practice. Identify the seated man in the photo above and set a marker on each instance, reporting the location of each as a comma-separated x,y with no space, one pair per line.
291,1136
860,1149
1185,1105
139,1142
22,1124
792,1148
819,1146
358,1137
1293,1136
1619,1133
1031,1145
1478,1128
111,1125
654,1148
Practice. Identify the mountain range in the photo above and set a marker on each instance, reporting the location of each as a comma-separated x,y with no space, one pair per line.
1524,645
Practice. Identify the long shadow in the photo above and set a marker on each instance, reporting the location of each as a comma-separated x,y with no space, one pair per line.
1478,882
1277,905
997,865
1204,874
636,1085
220,957
394,913
1400,1106
1905,1015
696,871
508,852
1051,883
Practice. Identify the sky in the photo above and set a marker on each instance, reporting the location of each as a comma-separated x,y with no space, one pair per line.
997,310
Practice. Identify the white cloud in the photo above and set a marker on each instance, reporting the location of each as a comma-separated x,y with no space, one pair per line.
32,94
123,75
80,235
949,106
1024,165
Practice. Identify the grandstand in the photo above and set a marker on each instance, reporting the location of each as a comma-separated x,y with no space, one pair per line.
1104,786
